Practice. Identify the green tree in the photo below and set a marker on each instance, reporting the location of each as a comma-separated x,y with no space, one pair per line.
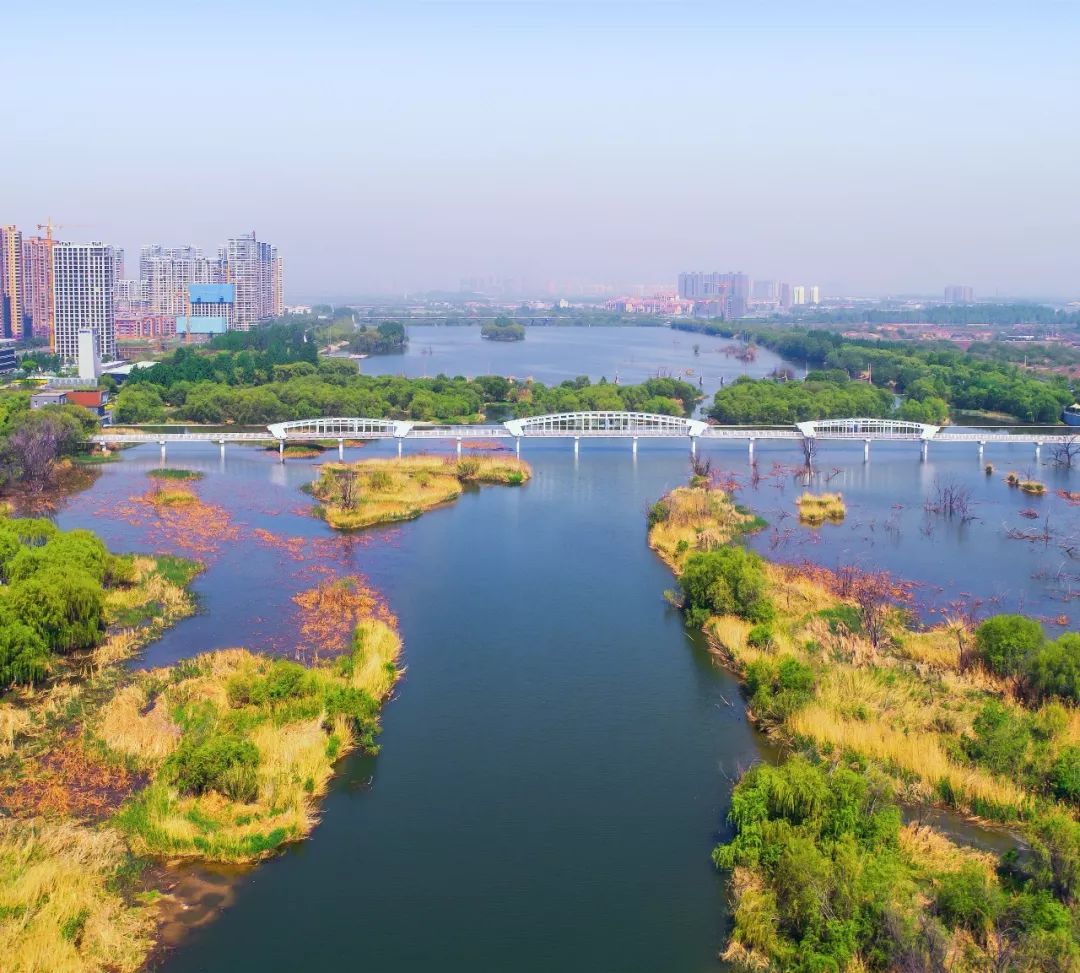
1004,642
727,581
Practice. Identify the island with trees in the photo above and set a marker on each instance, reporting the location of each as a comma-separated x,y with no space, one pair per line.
503,329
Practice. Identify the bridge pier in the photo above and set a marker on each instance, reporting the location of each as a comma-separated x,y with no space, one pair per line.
866,450
399,447
341,448
517,445
221,443
1038,450
925,450
693,445
750,447
577,444
161,443
634,446
982,446
281,450
459,447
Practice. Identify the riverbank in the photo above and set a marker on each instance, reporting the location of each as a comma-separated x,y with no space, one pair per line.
221,758
834,669
380,491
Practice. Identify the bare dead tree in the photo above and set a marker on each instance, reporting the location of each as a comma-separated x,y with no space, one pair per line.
809,450
950,498
347,482
1065,453
700,467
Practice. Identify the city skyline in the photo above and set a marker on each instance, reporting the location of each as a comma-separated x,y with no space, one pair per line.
402,146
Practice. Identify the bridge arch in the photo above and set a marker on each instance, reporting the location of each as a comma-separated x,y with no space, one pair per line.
862,428
605,423
358,427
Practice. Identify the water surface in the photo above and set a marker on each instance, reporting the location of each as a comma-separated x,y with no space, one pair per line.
557,761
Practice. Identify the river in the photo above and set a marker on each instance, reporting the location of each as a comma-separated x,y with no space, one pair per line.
557,761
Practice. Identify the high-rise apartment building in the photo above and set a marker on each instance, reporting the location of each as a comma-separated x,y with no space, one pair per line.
813,294
258,275
13,286
37,284
167,273
84,275
959,294
798,295
732,290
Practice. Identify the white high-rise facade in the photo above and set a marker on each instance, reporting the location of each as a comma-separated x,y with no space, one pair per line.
84,275
167,273
256,270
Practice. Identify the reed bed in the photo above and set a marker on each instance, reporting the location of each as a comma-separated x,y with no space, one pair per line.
816,509
698,518
378,491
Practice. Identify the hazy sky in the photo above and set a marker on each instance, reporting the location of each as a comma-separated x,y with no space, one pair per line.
870,147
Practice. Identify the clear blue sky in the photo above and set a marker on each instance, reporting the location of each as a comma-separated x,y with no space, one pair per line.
870,147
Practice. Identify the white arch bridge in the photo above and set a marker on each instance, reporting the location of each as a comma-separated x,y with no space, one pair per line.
594,425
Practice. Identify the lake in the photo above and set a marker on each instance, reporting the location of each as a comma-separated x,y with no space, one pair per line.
553,355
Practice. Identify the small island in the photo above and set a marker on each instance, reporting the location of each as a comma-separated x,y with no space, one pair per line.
503,329
381,491
388,338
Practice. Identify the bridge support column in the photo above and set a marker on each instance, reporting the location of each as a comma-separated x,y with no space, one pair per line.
281,450
866,450
161,443
221,443
750,447
1038,450
982,446
517,445
925,450
399,447
459,448
693,445
577,444
341,449
634,446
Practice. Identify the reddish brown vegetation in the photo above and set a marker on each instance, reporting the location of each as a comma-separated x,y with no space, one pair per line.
329,612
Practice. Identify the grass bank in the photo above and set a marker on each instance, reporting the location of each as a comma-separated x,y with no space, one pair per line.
379,491
876,710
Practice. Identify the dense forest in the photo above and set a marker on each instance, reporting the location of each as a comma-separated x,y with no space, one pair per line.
925,376
281,378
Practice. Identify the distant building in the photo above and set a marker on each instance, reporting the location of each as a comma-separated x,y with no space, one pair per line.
213,308
959,294
83,279
93,399
813,294
764,292
731,291
167,273
784,295
13,314
37,284
798,295
46,397
256,270
89,355
8,360
137,322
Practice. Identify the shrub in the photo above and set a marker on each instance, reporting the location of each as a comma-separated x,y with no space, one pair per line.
778,687
969,899
760,635
727,581
211,763
659,513
1001,740
1065,774
64,608
1054,669
24,656
1004,642
380,481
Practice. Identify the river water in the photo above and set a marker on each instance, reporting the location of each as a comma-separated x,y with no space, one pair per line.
552,355
557,760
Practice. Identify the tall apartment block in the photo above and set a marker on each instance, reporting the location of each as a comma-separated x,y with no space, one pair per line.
167,274
959,294
37,284
84,275
13,314
256,271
